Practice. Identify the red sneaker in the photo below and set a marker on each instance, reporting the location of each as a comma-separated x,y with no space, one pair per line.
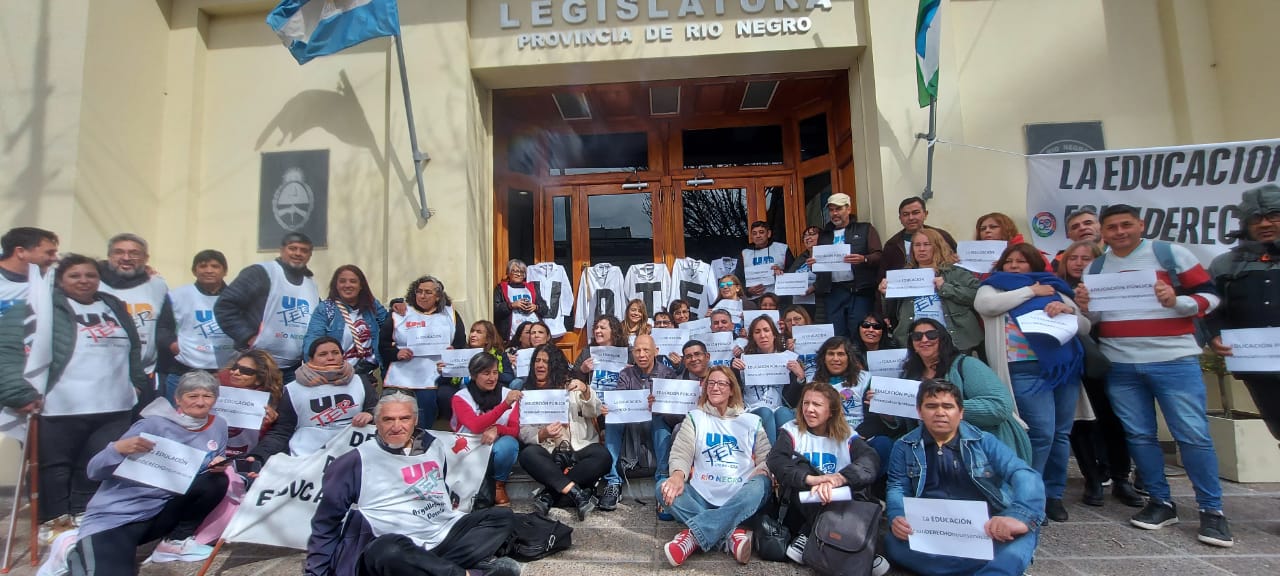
740,545
681,547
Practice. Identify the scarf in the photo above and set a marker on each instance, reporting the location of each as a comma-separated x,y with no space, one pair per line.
309,375
160,408
485,400
1059,363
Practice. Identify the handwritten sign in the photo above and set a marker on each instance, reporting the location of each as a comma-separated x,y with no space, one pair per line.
1063,327
980,255
720,348
909,282
1253,349
758,275
168,466
544,406
949,527
791,284
1122,291
524,361
626,406
830,258
609,358
767,369
810,338
457,362
669,340
674,396
886,362
749,316
894,396
241,408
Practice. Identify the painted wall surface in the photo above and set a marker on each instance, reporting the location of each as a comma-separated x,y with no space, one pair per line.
1242,41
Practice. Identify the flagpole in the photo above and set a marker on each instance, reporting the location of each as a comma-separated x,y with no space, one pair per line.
420,158
930,139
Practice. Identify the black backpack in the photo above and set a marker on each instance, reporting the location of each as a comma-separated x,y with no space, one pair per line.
843,542
535,536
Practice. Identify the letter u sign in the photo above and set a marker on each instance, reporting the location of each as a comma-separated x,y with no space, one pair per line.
412,474
288,302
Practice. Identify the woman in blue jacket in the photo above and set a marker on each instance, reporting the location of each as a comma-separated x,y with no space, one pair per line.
352,316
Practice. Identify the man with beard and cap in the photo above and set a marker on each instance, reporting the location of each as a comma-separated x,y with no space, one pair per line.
22,248
415,528
268,306
1248,281
126,276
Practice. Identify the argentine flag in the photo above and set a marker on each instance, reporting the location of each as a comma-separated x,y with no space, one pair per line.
928,32
311,28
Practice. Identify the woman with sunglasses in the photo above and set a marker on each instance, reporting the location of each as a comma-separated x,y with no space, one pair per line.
951,304
352,316
874,335
987,401
252,370
731,300
801,264
767,402
1043,373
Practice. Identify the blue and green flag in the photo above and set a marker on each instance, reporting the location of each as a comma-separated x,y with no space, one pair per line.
928,32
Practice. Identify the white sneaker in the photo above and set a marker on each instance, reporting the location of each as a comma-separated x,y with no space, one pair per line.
879,566
796,550
180,551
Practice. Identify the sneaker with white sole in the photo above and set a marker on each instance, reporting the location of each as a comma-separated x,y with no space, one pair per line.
1155,515
1214,529
187,550
880,566
739,542
796,550
680,548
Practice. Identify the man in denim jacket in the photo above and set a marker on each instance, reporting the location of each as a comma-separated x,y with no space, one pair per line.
947,459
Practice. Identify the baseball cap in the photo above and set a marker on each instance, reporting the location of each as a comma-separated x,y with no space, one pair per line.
839,199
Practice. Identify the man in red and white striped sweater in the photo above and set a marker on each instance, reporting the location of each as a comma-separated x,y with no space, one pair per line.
1155,358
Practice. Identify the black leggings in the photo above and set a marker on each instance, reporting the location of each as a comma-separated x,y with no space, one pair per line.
67,443
111,552
1265,390
475,538
592,463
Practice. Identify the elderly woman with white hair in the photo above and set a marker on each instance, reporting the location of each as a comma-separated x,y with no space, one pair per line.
516,300
125,514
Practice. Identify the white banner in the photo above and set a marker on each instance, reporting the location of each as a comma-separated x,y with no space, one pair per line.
758,275
830,258
894,397
287,492
1134,290
886,362
1253,349
979,255
1063,326
1187,194
673,396
241,408
767,369
791,284
544,406
626,406
170,465
457,361
609,358
810,338
669,340
949,527
909,282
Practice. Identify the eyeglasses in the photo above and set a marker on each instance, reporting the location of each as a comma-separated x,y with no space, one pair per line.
726,284
129,254
244,370
424,292
872,325
1273,217
926,335
718,384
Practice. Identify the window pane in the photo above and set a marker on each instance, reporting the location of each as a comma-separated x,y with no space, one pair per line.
621,228
715,223
562,233
520,225
817,189
597,153
737,146
813,137
522,152
775,212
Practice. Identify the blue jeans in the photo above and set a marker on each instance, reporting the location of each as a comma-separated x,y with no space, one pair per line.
661,434
710,524
883,445
772,418
1010,558
613,434
1179,388
505,451
517,384
846,309
1049,414
171,386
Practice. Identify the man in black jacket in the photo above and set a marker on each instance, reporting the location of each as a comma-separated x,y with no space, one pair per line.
912,213
849,295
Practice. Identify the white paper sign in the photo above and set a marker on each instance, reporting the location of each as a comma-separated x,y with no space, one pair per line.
758,275
674,396
524,361
894,396
429,344
980,255
544,406
749,316
949,527
1122,291
1253,349
626,406
841,494
810,338
669,340
886,362
168,466
1063,326
241,408
609,358
720,348
909,282
767,369
697,329
791,284
830,258
456,362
